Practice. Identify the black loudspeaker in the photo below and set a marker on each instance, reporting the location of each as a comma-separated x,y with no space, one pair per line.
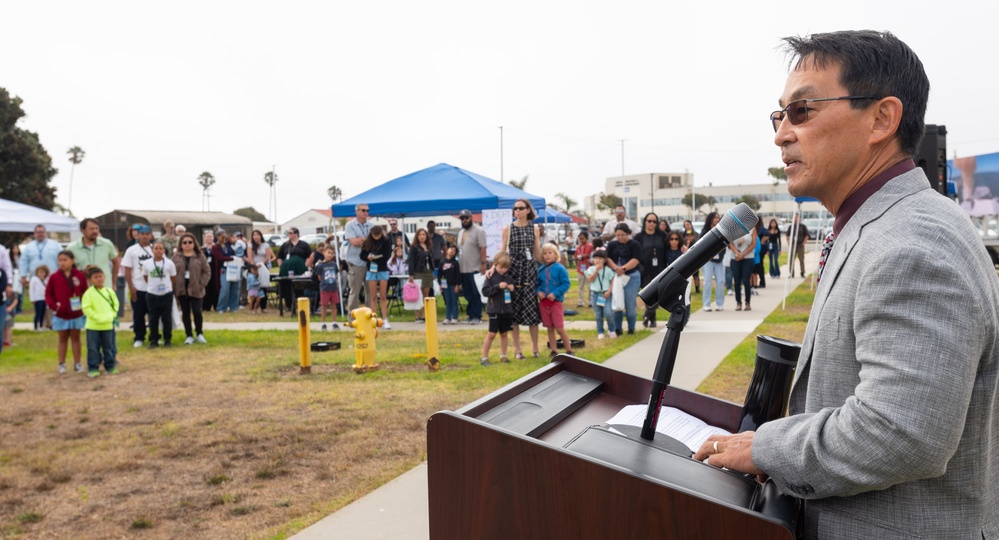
931,156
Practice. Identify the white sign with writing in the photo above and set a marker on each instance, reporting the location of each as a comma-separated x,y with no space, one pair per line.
493,221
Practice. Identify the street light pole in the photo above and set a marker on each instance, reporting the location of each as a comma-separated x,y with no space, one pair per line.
501,155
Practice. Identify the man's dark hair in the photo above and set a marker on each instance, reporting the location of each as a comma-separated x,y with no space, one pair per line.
83,224
873,64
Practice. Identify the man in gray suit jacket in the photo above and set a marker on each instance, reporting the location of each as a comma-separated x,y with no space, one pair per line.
893,428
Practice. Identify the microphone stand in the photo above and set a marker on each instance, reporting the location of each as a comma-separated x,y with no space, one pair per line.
667,355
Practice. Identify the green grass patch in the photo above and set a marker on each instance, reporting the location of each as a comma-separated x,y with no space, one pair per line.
730,380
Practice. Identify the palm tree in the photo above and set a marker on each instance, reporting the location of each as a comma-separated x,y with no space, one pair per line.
75,157
519,184
271,178
206,180
567,202
334,193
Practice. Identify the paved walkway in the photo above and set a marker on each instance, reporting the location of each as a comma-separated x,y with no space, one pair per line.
400,508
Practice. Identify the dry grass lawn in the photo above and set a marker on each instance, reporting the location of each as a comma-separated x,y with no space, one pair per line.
221,441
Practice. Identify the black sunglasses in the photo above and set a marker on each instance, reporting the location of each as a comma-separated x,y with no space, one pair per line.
797,111
187,242
520,208
652,221
363,210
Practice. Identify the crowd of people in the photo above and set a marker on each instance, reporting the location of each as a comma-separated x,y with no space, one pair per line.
189,278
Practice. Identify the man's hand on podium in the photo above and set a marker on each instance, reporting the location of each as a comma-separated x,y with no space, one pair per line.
733,452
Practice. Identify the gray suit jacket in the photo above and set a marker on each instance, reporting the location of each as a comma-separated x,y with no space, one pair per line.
893,429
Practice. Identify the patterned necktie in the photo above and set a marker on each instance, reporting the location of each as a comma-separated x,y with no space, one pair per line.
826,248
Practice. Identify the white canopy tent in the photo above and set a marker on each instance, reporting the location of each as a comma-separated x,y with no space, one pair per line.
17,217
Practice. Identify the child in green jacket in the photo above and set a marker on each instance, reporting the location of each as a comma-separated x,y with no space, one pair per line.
100,306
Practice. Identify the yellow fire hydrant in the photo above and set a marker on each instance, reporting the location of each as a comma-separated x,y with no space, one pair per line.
365,327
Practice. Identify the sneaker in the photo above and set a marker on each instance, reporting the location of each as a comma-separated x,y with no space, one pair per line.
201,338
707,308
153,345
113,371
730,292
485,362
600,336
62,369
78,367
167,344
324,327
387,325
420,319
137,344
335,326
504,359
94,374
189,340
720,308
613,335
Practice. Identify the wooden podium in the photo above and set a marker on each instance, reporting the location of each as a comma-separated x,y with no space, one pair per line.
497,468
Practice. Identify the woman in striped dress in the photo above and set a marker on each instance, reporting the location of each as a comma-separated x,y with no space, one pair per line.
520,240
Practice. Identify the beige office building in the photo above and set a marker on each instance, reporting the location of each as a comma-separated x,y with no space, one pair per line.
663,194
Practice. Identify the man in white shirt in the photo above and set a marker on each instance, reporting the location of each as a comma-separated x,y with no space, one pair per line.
132,261
619,217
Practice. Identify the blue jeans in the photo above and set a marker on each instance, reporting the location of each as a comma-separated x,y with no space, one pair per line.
471,292
630,306
100,346
602,312
716,271
774,265
228,296
741,272
451,302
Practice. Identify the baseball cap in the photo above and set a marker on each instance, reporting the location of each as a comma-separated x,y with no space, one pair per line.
142,228
465,213
239,233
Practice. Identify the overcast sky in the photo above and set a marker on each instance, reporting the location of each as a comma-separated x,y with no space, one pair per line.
357,93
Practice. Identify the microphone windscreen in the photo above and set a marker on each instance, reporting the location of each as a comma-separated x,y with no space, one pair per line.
737,222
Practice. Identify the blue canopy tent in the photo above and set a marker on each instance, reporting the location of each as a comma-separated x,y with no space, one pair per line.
441,189
551,215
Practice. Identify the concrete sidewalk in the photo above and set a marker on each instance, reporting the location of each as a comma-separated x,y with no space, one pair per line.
400,508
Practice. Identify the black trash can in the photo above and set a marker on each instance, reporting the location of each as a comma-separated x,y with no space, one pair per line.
768,392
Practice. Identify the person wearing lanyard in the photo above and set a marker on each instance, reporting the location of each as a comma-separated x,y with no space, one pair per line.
193,275
43,250
63,295
653,243
623,255
135,255
159,273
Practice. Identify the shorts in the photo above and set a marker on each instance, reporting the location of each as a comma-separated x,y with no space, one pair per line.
253,292
551,313
78,323
376,276
329,298
500,322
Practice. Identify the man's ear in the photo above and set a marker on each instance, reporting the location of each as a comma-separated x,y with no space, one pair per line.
886,116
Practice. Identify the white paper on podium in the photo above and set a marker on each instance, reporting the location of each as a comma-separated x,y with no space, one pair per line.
689,430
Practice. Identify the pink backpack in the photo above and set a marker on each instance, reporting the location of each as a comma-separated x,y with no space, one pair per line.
411,292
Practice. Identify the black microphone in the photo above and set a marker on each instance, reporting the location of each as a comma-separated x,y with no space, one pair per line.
672,282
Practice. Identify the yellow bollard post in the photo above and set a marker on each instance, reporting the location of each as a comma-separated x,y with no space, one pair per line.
305,361
430,314
365,326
